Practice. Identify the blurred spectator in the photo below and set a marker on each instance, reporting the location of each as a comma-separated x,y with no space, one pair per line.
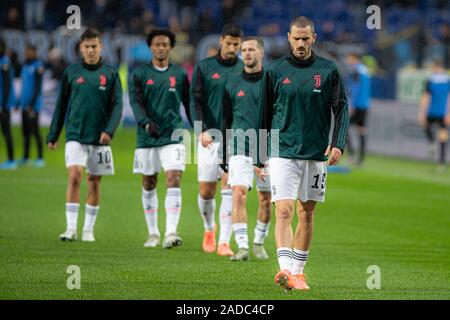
445,39
13,19
229,11
420,44
56,64
34,13
187,9
269,29
205,24
148,21
167,8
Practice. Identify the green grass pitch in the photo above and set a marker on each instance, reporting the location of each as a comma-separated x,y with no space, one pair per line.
394,214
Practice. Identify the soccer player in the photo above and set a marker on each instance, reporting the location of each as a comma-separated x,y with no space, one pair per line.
242,107
31,102
434,110
300,93
90,106
207,91
360,102
156,91
7,101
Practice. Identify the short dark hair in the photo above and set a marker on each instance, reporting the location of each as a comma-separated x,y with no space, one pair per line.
302,22
259,40
161,32
31,46
232,30
90,33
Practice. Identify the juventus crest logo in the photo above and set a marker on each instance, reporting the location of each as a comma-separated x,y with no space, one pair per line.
317,81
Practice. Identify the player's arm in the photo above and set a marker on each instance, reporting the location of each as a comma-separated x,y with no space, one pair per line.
197,99
6,86
114,111
36,88
341,119
59,114
185,99
266,115
137,102
423,105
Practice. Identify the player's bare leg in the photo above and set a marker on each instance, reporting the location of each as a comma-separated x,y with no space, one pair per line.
284,213
150,205
239,219
442,138
75,176
173,208
226,225
302,240
207,206
262,225
92,207
362,133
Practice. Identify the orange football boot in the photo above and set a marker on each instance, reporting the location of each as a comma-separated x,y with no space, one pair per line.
209,241
299,282
224,250
285,280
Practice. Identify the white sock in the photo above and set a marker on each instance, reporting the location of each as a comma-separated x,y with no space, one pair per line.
240,235
207,211
173,209
261,232
284,256
150,205
90,215
299,261
72,215
226,225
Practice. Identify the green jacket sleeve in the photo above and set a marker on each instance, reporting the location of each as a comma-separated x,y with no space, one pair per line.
59,114
340,111
115,107
137,100
198,98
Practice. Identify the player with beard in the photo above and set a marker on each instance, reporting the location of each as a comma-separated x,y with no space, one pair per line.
301,91
207,91
242,107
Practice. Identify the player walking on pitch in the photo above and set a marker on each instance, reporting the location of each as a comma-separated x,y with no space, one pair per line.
434,109
90,106
208,85
156,91
300,92
242,105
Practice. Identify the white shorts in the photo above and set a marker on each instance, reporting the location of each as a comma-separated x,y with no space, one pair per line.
208,163
241,173
98,160
148,161
298,179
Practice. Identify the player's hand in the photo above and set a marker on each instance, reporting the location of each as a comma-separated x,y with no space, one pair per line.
335,156
261,173
53,145
205,139
105,138
152,129
447,120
